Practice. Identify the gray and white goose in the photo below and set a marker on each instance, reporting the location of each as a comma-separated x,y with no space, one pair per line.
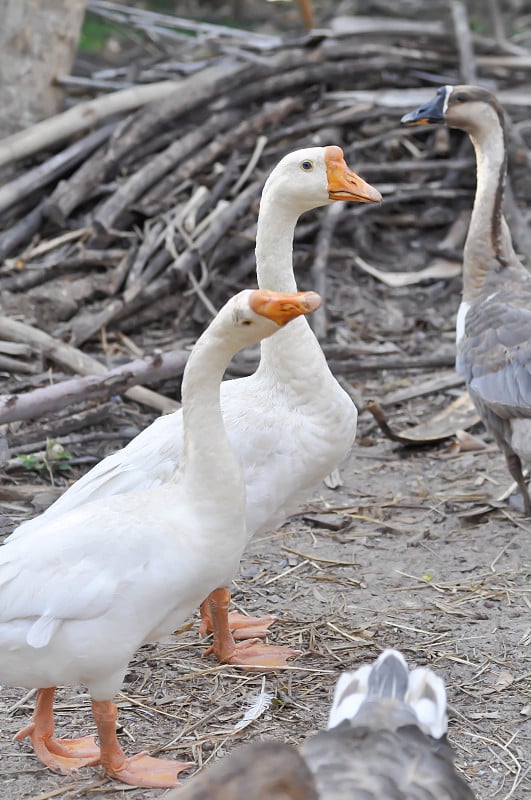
386,738
493,330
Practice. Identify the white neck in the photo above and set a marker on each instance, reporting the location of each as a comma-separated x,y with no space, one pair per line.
296,343
274,243
487,245
210,467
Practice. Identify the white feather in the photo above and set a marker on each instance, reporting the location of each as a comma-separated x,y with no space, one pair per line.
42,630
257,705
350,692
426,694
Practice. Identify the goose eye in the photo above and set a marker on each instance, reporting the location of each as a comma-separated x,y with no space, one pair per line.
246,322
461,97
307,165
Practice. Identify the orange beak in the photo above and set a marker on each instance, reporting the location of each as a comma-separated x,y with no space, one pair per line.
281,307
343,184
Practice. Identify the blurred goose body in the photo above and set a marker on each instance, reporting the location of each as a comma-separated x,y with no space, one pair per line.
493,329
386,739
290,423
79,595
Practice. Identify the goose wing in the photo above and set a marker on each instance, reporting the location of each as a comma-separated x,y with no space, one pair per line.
80,566
149,460
494,355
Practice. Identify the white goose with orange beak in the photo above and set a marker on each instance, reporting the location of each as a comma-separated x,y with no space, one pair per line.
290,423
80,594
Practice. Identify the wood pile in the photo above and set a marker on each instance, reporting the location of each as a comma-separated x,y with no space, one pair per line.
128,220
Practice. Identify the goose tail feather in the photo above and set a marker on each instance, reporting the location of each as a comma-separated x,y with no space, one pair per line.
387,682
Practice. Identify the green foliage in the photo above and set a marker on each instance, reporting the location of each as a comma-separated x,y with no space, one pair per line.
477,25
95,32
28,462
55,458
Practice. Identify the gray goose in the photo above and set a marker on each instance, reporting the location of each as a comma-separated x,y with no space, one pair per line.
386,739
493,329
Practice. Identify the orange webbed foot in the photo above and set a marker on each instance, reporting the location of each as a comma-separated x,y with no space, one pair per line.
146,771
138,770
254,654
227,627
61,755
243,627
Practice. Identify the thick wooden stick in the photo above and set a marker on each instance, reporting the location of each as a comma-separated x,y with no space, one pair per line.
74,359
21,231
79,118
191,93
465,45
51,169
61,395
318,270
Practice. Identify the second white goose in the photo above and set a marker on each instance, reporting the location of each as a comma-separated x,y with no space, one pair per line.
290,423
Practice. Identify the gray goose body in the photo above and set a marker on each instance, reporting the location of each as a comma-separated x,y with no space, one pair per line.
493,335
368,762
386,739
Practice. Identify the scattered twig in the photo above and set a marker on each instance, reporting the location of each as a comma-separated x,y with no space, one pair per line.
71,357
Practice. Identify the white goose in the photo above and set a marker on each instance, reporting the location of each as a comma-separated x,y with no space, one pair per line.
81,593
291,423
493,330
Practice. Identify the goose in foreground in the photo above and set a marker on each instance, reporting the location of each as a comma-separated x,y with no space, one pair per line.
386,738
80,595
291,423
493,330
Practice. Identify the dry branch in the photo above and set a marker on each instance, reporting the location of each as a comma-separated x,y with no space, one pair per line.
79,118
48,171
74,359
61,264
464,42
182,98
21,231
318,270
61,395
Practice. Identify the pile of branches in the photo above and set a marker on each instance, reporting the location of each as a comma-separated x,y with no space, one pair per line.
135,210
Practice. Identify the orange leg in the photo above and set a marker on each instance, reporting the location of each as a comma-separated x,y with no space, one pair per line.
60,755
306,12
139,770
251,653
240,625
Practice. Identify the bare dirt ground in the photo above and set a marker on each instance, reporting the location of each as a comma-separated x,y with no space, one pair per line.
393,557
404,571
